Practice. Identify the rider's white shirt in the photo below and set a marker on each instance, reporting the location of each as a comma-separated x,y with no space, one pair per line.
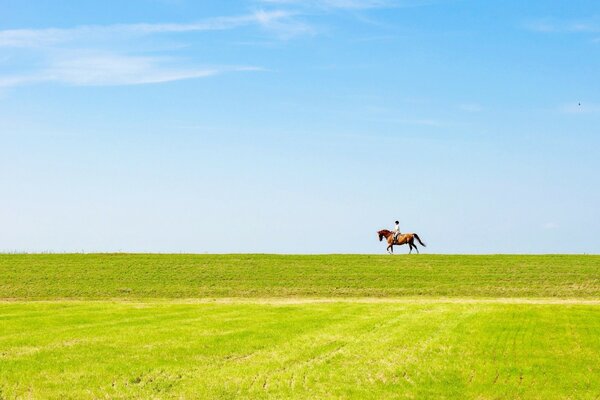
397,228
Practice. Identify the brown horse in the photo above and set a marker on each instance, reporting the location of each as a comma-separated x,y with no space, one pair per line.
403,238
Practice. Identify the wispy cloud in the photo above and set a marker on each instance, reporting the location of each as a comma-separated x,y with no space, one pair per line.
345,4
359,10
277,19
349,4
283,24
87,55
111,69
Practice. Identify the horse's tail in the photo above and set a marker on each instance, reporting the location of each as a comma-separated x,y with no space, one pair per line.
419,239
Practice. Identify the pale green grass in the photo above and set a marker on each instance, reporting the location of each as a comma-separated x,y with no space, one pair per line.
84,350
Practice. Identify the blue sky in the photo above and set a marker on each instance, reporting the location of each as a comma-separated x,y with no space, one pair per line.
299,126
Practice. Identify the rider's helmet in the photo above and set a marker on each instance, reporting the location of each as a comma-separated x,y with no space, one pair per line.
397,222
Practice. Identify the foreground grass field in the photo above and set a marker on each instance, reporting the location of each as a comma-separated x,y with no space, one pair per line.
183,326
112,350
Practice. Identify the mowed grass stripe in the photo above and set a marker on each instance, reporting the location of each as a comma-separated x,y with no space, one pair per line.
332,350
144,276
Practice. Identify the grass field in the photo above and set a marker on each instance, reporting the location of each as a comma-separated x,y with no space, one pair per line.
257,326
126,276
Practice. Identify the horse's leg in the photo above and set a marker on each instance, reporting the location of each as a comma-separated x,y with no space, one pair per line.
412,243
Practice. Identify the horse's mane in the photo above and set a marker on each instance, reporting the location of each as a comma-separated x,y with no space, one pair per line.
384,231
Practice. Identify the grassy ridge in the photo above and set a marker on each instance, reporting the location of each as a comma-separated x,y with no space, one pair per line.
353,350
139,276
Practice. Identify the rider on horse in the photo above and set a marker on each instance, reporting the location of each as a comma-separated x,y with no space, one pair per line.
396,231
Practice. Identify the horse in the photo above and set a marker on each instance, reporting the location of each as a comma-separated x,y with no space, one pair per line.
403,238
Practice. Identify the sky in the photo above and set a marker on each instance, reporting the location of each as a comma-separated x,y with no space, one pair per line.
286,126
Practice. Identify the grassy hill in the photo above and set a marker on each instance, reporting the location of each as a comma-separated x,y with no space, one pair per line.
138,276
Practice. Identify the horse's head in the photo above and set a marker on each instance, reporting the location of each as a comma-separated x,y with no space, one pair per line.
382,234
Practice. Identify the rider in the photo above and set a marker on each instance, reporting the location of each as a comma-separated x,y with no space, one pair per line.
396,230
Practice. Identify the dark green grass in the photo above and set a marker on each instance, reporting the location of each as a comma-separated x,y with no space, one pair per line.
138,276
86,350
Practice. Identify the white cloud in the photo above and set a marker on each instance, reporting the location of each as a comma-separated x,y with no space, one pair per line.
88,55
354,4
53,36
349,4
283,24
107,69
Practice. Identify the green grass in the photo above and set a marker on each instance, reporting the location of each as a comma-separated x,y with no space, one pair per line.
154,350
104,276
248,326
